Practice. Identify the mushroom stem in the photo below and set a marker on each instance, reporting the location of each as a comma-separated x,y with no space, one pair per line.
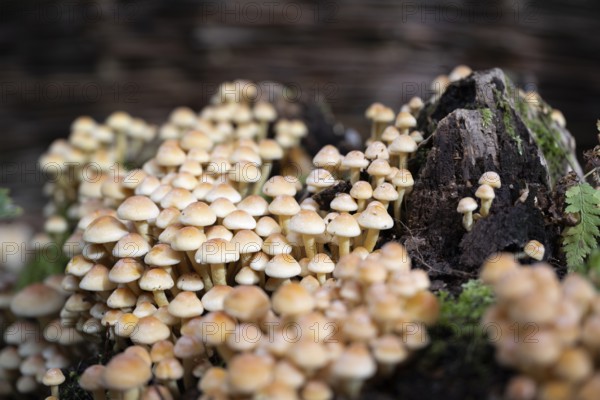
161,298
343,245
361,205
54,390
263,130
485,207
398,204
99,394
202,270
353,387
321,277
402,160
377,180
188,367
371,239
134,287
265,171
143,230
121,146
354,175
284,221
219,274
173,388
468,221
309,245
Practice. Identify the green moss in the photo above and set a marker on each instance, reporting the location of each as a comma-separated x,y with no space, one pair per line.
508,119
486,116
49,260
467,309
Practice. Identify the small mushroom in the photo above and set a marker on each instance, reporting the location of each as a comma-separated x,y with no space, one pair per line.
486,194
466,206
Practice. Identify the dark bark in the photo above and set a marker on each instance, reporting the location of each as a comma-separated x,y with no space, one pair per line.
477,126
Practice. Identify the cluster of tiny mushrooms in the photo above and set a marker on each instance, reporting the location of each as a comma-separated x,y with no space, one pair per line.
204,252
547,329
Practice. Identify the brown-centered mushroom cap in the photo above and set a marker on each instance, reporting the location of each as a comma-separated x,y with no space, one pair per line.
138,208
105,229
126,371
37,300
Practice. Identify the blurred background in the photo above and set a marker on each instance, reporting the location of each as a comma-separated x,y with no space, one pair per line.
59,60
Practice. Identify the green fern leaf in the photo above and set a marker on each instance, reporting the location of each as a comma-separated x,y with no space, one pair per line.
580,240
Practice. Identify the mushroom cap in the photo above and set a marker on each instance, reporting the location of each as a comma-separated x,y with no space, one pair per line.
217,251
284,205
155,279
385,192
403,179
186,305
162,255
375,217
246,241
276,244
320,178
198,214
403,144
328,157
149,330
138,208
283,266
125,371
248,373
78,266
485,192
321,264
279,186
37,300
96,280
264,111
176,197
131,245
214,298
389,134
90,380
190,281
222,207
379,167
239,219
292,299
270,150
466,204
126,270
246,303
459,72
490,178
169,154
361,190
355,159
267,226
354,363
307,222
344,225
105,229
405,120
223,190
254,205
188,238
377,150
344,202
535,250
218,232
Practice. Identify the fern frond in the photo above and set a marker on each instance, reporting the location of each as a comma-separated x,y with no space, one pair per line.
580,240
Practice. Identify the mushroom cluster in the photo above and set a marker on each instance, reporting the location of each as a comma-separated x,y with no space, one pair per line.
35,341
485,193
547,329
215,231
305,341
